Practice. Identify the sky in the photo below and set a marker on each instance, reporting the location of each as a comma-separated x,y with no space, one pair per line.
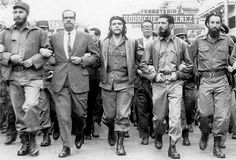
94,13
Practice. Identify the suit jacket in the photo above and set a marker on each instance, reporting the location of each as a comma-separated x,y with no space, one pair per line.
130,48
77,73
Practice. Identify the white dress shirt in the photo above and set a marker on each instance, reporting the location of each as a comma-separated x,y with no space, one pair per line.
146,40
72,38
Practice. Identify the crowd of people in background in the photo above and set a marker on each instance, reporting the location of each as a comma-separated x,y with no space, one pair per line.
71,82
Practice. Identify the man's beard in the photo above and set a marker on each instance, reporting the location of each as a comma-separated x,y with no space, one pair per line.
164,33
214,33
20,23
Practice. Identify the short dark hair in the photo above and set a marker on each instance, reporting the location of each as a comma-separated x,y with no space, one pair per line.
170,18
66,11
97,31
210,15
148,21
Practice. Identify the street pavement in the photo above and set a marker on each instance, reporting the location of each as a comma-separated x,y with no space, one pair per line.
98,149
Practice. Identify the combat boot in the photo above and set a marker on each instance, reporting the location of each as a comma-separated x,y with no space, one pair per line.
25,144
185,135
46,138
33,148
120,149
172,153
216,148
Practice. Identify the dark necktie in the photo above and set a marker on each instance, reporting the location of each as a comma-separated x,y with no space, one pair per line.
69,44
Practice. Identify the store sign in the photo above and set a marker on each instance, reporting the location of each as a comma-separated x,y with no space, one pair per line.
139,18
55,24
159,11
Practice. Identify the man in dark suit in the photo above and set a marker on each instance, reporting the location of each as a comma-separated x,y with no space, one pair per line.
94,110
71,78
142,100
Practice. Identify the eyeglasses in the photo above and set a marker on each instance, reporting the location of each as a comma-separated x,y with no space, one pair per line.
147,26
68,17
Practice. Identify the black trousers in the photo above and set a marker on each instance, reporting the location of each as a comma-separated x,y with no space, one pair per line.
142,102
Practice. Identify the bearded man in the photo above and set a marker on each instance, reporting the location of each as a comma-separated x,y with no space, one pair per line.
212,52
161,62
22,68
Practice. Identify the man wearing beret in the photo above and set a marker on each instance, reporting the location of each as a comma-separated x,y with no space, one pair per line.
22,68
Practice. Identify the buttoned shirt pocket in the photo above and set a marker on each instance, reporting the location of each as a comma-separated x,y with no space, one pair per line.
204,52
222,52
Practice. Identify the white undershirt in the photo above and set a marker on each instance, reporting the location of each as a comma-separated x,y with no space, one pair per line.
146,40
72,36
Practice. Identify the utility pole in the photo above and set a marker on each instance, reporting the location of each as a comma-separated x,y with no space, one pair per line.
226,15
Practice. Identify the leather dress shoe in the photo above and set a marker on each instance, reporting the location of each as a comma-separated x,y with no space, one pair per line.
158,142
65,152
55,134
79,140
10,139
96,129
144,141
203,141
172,153
111,136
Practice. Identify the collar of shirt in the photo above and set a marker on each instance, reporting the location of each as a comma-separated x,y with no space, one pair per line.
26,26
206,37
170,37
146,40
72,38
112,42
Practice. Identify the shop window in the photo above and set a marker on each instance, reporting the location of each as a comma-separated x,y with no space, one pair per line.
232,22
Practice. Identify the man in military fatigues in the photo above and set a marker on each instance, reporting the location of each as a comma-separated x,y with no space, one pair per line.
165,55
212,53
21,67
7,113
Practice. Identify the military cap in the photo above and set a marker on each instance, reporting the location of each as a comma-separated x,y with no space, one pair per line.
42,24
22,5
